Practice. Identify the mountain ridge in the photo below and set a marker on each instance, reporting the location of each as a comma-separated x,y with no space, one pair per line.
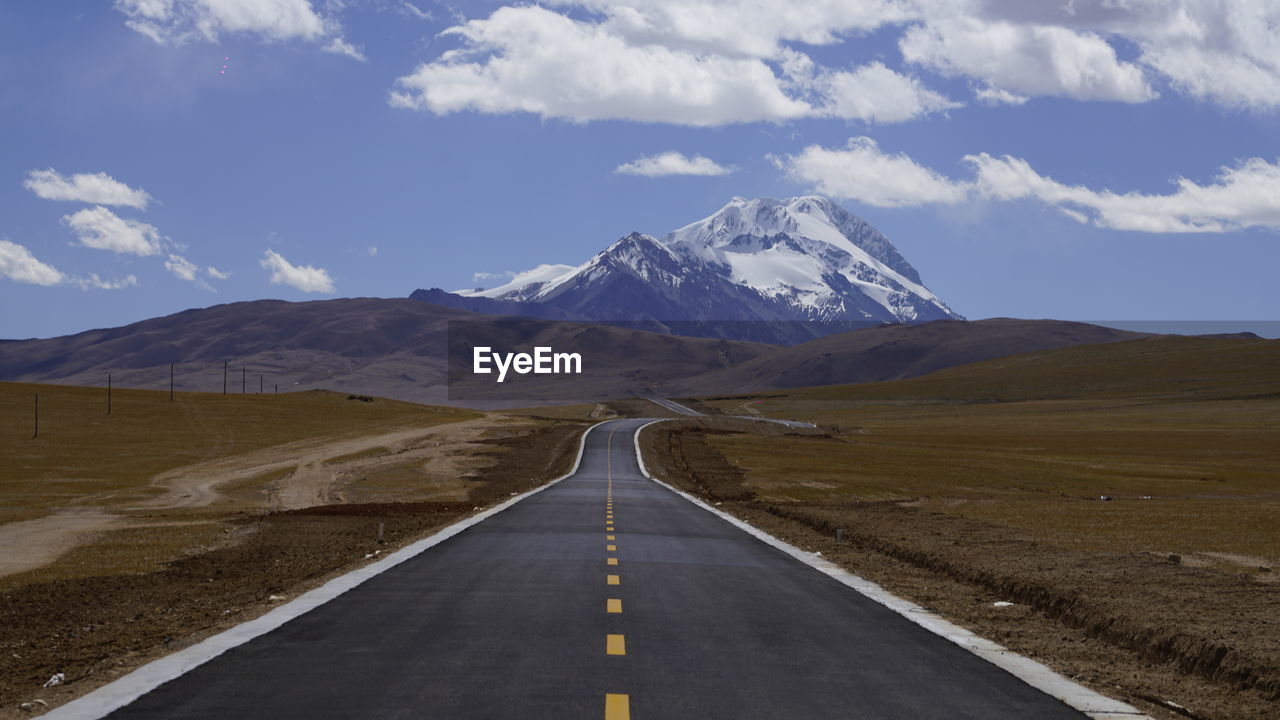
801,259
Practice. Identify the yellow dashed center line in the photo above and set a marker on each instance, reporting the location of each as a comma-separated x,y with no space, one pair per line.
615,645
617,707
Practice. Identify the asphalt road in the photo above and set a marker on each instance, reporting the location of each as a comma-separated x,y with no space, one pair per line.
543,611
676,407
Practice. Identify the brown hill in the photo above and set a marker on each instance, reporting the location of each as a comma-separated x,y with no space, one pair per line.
894,352
398,348
386,347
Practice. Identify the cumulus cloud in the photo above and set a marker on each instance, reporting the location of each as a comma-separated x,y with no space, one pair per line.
861,171
875,93
672,163
530,59
97,188
338,46
101,229
748,28
1026,59
1246,195
174,22
302,277
1227,53
18,264
216,274
718,62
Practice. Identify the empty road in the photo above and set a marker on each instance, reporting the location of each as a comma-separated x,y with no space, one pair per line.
608,596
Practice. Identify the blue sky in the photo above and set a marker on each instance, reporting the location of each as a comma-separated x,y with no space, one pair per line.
1081,160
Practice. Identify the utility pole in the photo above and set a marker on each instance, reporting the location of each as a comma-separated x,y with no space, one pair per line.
108,393
170,382
277,388
224,377
259,384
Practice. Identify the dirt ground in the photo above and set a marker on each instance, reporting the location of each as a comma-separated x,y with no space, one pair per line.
1174,639
202,555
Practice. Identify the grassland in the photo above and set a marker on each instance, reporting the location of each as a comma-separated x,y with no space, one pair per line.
1182,433
131,535
987,482
83,456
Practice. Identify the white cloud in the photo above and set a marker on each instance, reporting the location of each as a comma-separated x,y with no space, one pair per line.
216,274
875,93
672,163
1026,59
530,59
483,276
1246,195
303,277
18,264
996,96
97,188
182,268
1222,51
412,10
174,22
101,229
749,28
93,282
371,251
860,171
338,46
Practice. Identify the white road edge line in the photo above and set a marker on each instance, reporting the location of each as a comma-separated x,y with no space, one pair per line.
1089,702
118,693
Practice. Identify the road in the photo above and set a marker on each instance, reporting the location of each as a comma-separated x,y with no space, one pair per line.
605,595
679,409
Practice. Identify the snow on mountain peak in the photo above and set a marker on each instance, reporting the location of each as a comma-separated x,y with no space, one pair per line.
805,257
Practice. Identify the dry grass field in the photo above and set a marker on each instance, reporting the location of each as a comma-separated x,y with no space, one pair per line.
131,535
85,457
986,482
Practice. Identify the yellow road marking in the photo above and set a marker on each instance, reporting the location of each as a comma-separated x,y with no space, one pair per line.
611,548
613,605
615,645
617,707
612,561
610,537
613,579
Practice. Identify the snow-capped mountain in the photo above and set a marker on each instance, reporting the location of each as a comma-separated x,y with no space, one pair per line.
799,259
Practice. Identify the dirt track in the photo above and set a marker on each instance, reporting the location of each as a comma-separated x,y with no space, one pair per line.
307,476
97,628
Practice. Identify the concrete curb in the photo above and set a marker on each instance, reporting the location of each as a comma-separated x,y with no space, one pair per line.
121,692
1089,702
